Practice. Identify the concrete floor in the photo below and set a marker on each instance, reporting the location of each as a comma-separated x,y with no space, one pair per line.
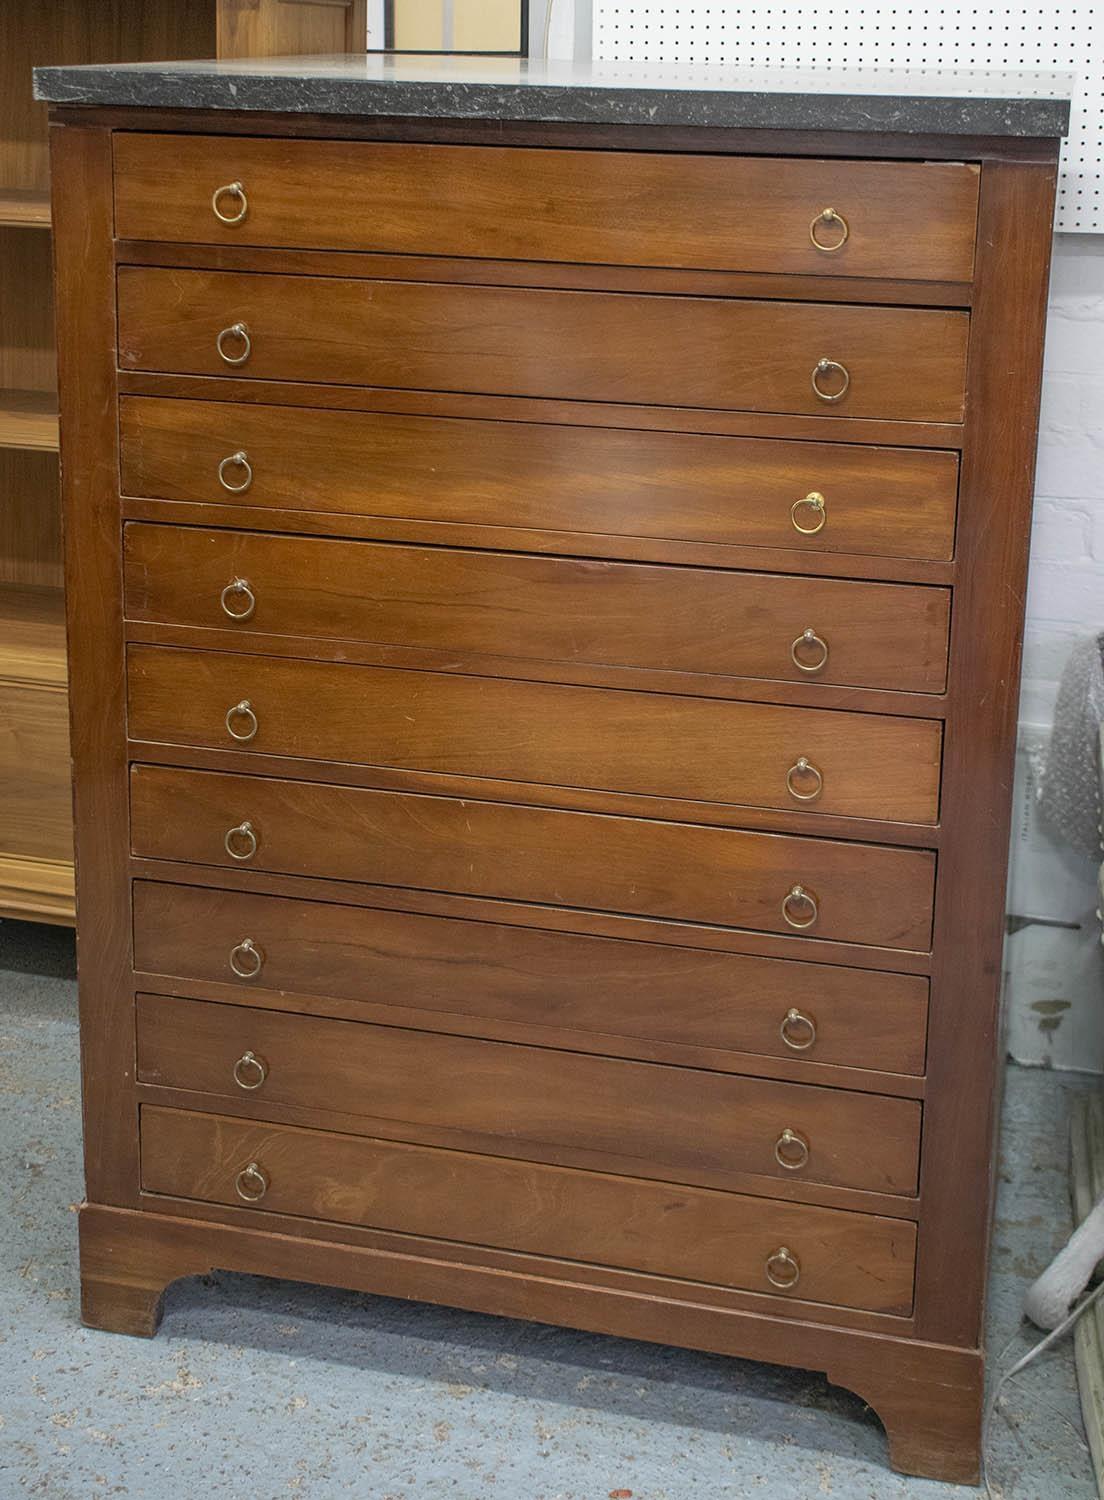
267,1389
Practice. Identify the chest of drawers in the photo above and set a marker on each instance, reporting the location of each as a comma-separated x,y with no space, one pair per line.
545,606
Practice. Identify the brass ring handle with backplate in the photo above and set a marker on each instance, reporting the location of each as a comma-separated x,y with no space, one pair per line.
782,1269
798,897
246,959
245,711
240,460
826,367
238,587
809,638
234,331
235,190
842,231
798,1030
251,1183
815,502
242,833
803,770
249,1072
791,1151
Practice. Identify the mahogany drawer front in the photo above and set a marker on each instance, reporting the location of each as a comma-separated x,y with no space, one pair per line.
688,872
904,220
600,989
885,502
904,363
523,607
539,1099
695,1234
654,744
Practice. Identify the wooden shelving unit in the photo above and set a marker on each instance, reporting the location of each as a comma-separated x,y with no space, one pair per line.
32,635
36,876
29,421
25,207
36,862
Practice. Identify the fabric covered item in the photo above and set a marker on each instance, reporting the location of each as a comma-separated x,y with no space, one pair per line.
1070,797
1049,1299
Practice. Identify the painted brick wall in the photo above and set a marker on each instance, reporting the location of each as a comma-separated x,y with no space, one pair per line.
1065,598
1053,960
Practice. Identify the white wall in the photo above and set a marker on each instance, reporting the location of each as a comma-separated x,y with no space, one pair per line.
1066,591
1054,964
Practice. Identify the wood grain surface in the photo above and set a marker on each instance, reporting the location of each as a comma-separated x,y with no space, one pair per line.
672,870
858,765
905,220
878,501
600,990
573,610
928,1395
906,363
965,1060
495,490
85,278
35,790
537,1098
857,1260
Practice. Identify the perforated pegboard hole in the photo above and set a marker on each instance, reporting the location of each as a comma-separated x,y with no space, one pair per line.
842,33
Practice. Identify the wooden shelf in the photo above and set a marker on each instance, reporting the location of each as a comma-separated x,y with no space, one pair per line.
32,635
37,890
29,419
24,208
36,874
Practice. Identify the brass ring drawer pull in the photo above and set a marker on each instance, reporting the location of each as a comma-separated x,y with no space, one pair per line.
241,460
235,588
229,190
823,367
797,896
801,771
814,500
791,1151
249,1071
798,1030
241,332
242,834
246,960
251,1183
782,1269
244,710
807,638
842,231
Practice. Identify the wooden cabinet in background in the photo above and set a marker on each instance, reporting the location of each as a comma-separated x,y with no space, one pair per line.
36,845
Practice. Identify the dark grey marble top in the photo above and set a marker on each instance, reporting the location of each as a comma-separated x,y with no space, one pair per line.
926,101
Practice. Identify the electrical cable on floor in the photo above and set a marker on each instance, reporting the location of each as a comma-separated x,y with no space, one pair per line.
1053,1337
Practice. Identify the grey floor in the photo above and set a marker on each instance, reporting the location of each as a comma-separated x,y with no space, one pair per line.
267,1389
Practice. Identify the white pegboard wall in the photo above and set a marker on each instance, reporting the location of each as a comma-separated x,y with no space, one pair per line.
1050,38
